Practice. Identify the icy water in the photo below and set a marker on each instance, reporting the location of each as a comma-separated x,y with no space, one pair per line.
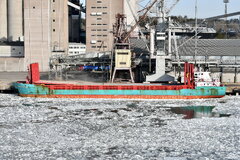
190,112
119,129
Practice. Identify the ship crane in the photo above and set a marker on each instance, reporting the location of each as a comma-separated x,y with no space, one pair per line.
122,51
171,8
122,37
126,37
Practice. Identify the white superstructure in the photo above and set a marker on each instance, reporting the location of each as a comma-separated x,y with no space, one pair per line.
204,79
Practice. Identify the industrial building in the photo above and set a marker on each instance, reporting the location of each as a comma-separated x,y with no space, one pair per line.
76,49
100,17
46,25
219,56
32,31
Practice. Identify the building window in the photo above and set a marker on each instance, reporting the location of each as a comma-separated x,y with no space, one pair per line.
53,0
93,14
33,7
93,41
53,20
53,30
99,1
54,10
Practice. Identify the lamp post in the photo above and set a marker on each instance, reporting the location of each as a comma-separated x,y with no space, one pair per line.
226,11
195,51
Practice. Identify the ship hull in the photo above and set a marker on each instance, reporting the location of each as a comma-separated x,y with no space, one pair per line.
118,92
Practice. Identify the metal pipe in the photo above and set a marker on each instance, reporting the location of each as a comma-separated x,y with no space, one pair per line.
152,41
74,5
185,73
169,37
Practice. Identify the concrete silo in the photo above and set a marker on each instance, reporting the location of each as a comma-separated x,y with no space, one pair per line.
15,20
3,20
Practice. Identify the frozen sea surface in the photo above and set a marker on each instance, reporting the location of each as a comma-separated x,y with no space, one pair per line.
116,129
